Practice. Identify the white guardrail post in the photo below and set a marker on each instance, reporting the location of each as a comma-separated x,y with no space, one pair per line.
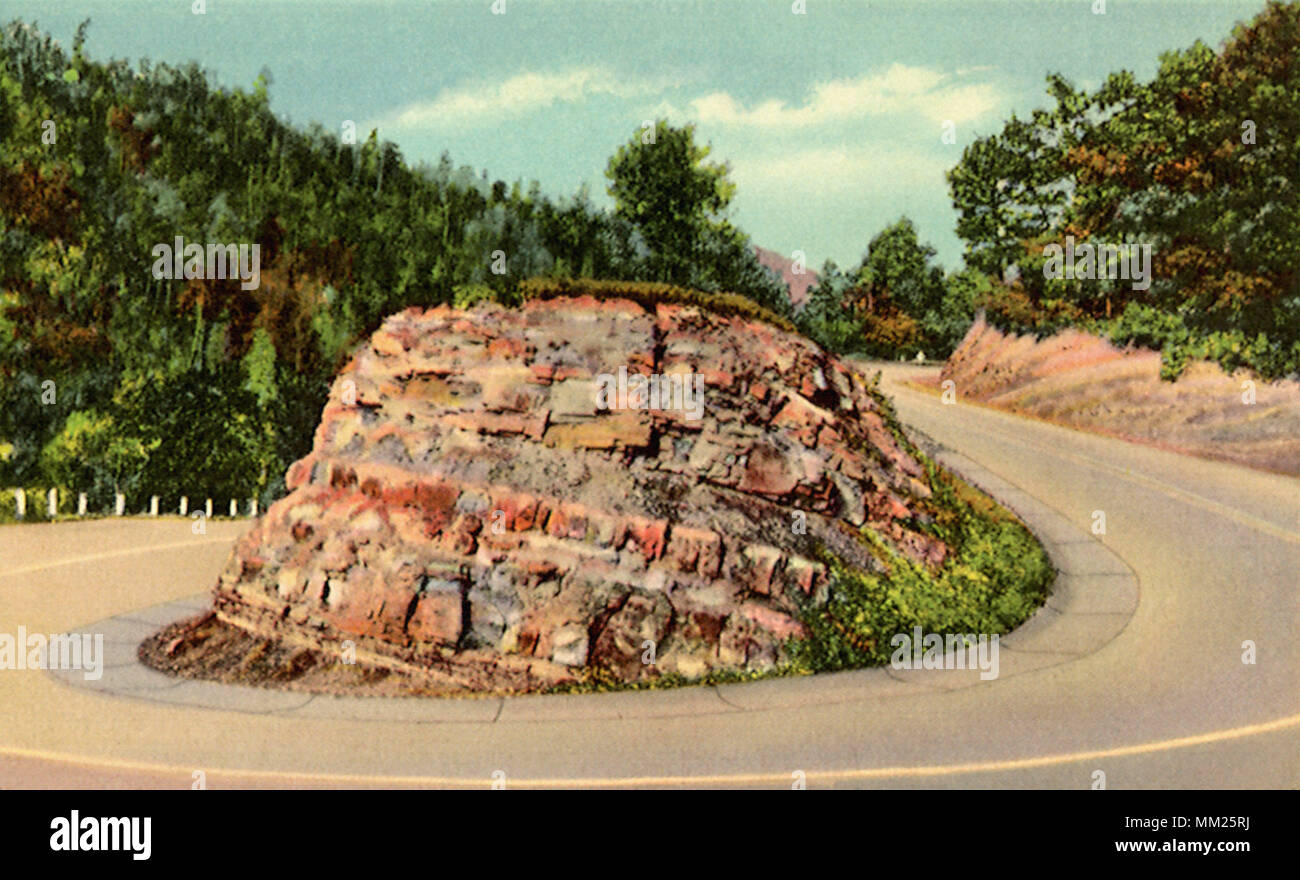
119,505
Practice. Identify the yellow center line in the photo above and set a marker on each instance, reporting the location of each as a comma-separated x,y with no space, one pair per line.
111,554
996,766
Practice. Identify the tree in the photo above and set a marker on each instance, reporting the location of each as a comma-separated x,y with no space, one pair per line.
896,302
204,432
897,270
665,189
828,316
1010,187
91,455
899,292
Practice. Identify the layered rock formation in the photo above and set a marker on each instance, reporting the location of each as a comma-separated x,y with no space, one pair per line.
1085,382
470,513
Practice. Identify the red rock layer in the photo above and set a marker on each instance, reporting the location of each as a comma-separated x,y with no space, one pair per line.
468,511
1083,381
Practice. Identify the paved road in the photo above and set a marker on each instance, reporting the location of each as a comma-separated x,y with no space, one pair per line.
1167,702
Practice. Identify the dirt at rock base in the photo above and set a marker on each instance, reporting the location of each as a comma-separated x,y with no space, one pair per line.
205,648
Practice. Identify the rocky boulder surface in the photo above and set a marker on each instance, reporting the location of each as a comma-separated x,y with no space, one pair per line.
471,512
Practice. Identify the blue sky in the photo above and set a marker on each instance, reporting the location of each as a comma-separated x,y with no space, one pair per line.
831,121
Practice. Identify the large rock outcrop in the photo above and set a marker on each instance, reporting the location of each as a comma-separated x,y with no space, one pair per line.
469,511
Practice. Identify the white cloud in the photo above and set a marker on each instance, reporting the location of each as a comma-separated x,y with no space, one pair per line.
521,93
901,89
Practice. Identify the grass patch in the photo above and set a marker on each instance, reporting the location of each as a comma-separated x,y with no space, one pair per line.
649,294
996,576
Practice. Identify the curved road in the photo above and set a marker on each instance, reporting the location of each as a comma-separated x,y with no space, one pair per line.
1167,703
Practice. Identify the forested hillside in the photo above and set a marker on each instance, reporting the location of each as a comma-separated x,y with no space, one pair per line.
112,379
1198,166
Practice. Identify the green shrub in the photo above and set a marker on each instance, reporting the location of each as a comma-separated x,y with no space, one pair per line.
995,577
1147,327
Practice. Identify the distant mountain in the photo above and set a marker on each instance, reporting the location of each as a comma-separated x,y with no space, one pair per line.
796,283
